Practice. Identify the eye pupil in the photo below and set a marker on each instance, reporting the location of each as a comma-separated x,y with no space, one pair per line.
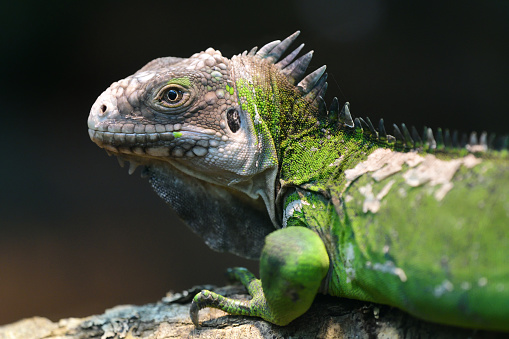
172,95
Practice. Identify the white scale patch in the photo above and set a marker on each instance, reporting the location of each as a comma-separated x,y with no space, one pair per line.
434,172
336,162
482,282
372,203
388,267
444,287
292,207
349,260
430,170
465,285
382,163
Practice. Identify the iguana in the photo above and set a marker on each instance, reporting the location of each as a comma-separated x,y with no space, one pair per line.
250,157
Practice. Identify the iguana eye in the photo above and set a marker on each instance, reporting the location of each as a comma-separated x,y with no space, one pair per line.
172,95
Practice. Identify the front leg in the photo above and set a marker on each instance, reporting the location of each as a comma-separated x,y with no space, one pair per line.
292,266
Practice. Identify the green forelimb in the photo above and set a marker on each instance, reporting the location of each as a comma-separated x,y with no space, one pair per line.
292,266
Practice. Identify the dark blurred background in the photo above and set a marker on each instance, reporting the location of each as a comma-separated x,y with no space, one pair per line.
78,234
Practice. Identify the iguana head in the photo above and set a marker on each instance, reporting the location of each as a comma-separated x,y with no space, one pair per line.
214,122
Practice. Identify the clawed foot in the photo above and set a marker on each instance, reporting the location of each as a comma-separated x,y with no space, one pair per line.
254,307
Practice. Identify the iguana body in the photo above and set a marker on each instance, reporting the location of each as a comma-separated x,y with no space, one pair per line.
247,154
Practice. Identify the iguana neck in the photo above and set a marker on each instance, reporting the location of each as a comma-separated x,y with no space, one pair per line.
321,154
309,146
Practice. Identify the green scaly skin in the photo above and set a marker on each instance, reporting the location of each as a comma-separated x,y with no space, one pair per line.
249,157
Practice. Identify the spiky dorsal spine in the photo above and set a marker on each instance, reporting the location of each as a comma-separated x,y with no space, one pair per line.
314,86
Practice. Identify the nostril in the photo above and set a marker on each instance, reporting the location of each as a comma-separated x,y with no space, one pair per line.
103,108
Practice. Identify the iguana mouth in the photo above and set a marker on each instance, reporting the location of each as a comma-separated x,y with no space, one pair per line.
156,143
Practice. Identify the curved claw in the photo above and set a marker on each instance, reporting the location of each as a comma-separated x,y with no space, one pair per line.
203,299
193,313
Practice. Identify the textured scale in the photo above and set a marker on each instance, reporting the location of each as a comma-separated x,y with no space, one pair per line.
248,154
